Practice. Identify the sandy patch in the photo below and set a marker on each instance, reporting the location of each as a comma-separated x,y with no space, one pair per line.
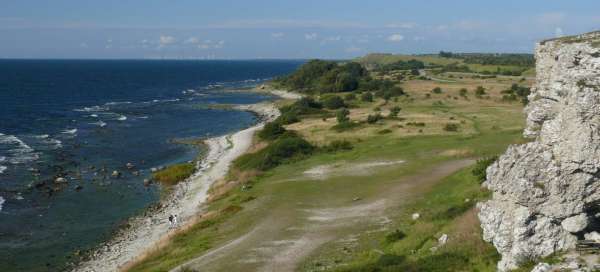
323,172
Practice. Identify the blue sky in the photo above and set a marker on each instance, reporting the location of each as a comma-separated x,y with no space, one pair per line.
229,29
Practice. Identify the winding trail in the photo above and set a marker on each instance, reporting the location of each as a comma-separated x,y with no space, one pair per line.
279,244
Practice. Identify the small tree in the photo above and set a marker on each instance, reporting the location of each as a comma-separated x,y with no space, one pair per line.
372,119
463,92
394,112
437,90
342,116
451,127
367,97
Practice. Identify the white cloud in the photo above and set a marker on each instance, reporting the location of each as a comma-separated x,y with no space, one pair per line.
310,36
277,35
558,32
192,40
204,46
209,44
406,25
166,40
395,38
418,38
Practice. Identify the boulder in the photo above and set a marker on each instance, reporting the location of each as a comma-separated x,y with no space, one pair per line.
575,223
60,180
415,216
542,267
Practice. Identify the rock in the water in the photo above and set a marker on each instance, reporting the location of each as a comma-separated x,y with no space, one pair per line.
543,189
116,174
542,267
130,165
575,223
60,180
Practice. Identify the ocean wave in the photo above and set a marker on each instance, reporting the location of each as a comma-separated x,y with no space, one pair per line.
94,115
20,151
54,142
122,118
1,202
69,131
189,91
92,109
143,117
43,136
2,169
117,103
99,123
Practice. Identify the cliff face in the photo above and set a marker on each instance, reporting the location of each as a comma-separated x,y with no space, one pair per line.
546,193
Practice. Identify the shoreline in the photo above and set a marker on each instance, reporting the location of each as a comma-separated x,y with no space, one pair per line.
187,199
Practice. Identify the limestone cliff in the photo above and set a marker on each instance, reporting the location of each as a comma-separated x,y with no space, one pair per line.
546,193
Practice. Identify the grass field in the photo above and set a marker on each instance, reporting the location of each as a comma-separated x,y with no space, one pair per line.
351,210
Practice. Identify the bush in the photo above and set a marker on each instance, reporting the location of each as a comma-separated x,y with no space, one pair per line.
384,131
271,131
394,112
451,127
342,115
463,92
174,174
437,90
480,91
479,171
367,97
394,236
288,117
333,102
345,126
338,145
350,97
280,151
372,119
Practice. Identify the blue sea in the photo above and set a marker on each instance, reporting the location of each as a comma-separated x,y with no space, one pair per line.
81,120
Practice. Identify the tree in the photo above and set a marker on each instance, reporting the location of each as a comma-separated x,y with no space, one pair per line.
367,97
342,115
394,112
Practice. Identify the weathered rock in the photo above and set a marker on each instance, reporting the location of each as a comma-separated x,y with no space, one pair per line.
415,216
592,236
546,190
541,267
60,180
443,239
575,223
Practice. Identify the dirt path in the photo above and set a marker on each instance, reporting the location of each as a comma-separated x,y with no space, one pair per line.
289,234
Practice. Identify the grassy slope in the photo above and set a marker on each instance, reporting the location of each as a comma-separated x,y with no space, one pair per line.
279,198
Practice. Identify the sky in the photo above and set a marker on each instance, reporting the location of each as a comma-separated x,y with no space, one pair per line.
279,29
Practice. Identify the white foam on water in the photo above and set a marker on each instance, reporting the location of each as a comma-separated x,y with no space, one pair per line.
20,151
54,142
2,169
117,103
43,136
69,131
122,118
94,115
92,109
1,202
99,123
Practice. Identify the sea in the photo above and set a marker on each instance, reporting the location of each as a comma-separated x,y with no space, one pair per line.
78,121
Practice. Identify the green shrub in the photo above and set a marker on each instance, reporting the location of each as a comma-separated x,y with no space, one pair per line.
463,92
394,236
271,131
384,131
416,124
345,126
342,115
338,145
366,97
451,127
280,151
372,119
333,102
437,90
481,166
350,97
480,91
288,117
174,173
394,112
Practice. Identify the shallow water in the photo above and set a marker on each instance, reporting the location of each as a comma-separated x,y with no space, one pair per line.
82,120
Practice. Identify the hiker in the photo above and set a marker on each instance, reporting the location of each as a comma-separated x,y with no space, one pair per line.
175,220
170,220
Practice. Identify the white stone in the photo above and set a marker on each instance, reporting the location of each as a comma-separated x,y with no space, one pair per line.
575,223
592,236
415,216
443,239
541,267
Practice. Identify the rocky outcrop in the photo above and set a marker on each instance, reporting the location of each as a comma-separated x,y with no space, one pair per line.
546,193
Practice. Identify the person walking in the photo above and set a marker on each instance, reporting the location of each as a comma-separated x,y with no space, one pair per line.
175,220
170,220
